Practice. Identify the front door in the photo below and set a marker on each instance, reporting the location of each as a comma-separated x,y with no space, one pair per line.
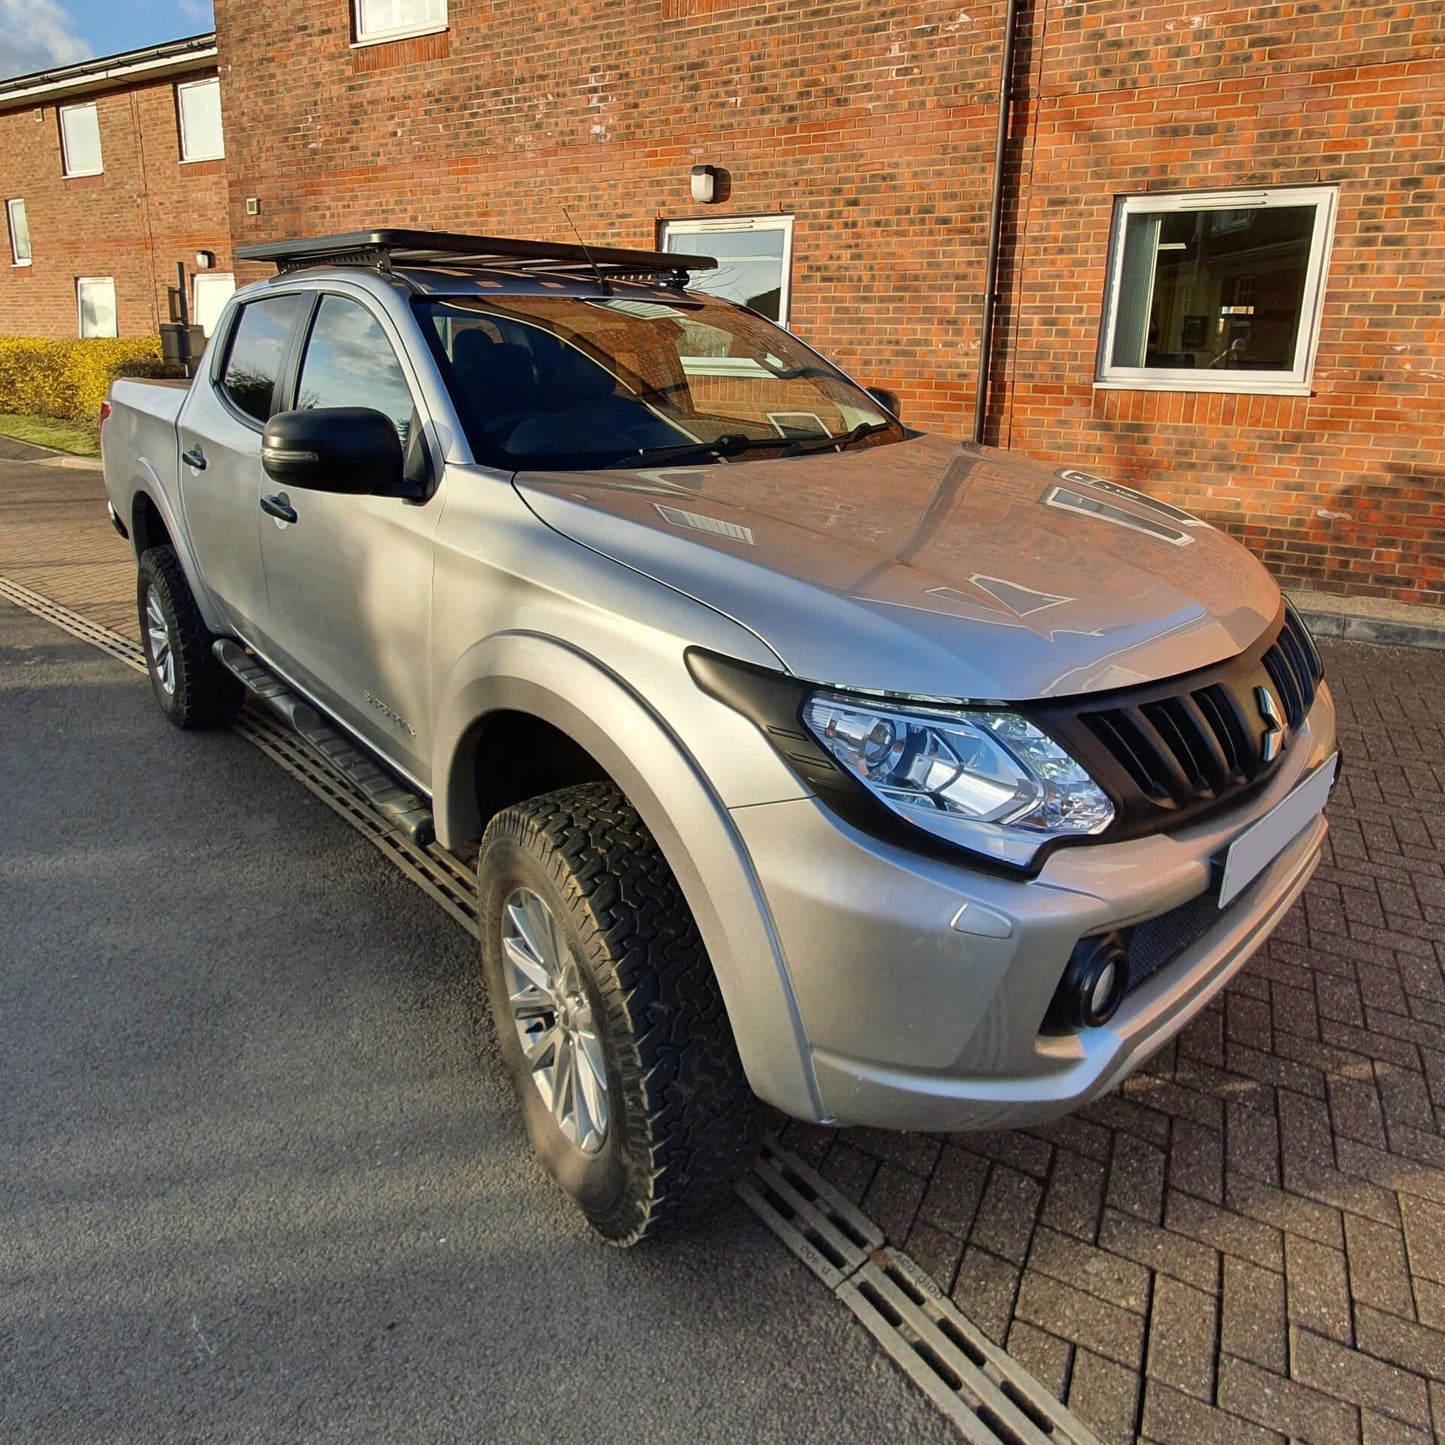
220,443
349,581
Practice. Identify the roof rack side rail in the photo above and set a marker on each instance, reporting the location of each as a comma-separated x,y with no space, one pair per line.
384,248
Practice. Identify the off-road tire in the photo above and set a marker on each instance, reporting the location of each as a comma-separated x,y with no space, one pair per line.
683,1124
204,694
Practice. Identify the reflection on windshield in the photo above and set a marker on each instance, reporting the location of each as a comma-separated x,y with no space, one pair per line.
562,383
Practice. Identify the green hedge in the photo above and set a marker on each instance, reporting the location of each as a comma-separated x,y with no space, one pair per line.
70,378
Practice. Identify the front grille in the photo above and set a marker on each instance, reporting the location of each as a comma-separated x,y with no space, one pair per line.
1179,749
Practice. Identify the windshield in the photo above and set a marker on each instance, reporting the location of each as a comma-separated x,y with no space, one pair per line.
564,383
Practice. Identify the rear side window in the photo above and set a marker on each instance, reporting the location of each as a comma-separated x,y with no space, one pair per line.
258,348
350,362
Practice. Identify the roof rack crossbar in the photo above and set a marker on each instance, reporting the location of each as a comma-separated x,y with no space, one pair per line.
385,248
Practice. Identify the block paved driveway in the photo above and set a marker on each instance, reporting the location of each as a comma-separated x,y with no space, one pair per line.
1247,1241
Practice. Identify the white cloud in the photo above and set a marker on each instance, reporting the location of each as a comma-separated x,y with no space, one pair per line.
35,34
197,10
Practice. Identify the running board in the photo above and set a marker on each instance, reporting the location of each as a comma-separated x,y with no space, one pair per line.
400,807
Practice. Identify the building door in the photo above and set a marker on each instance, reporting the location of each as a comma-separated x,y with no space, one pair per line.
211,291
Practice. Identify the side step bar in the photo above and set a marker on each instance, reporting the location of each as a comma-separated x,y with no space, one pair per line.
410,814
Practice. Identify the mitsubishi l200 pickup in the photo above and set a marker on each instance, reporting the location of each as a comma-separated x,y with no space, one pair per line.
803,757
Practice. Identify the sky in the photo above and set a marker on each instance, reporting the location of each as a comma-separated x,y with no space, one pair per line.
37,34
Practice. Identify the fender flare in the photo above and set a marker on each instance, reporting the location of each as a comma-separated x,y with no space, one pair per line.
550,680
147,483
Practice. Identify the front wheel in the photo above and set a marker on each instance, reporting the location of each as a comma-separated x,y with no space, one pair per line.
608,1014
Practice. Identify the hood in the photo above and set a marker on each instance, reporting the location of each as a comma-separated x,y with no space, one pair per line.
928,568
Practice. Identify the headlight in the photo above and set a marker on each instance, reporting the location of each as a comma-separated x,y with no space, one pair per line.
989,781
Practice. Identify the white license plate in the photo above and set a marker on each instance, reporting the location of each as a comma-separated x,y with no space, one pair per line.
1262,842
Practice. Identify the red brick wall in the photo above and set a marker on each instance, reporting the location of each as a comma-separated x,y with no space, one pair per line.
134,222
1343,489
872,123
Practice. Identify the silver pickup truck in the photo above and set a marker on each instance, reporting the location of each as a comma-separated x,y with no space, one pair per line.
803,757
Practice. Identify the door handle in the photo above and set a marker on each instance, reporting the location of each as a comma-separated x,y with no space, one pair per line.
283,511
195,458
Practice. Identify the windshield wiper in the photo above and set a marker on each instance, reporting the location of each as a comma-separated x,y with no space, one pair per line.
728,445
828,443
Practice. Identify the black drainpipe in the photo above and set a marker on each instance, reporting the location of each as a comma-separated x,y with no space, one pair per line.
995,219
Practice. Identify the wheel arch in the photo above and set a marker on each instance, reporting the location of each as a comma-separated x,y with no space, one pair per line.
517,679
153,523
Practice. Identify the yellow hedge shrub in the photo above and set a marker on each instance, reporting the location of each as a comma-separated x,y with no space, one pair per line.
70,378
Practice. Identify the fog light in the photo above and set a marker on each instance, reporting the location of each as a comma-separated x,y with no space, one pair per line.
1092,987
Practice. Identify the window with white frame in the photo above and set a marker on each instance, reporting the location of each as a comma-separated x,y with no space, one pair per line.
394,19
95,302
1216,291
80,140
19,232
198,105
754,256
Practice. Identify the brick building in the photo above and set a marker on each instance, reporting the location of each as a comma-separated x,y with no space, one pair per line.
112,171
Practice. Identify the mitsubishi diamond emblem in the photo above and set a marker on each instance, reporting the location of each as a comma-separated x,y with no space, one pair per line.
1272,739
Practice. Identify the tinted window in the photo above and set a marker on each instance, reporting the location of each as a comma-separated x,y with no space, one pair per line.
350,362
258,347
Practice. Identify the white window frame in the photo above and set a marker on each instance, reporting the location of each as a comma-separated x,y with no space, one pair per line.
65,165
83,281
187,157
1295,381
401,32
711,225
12,208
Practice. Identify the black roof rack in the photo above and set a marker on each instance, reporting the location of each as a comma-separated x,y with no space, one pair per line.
386,248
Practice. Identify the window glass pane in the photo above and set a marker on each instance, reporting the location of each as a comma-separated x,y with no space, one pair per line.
749,265
258,346
96,298
378,17
350,362
200,108
80,139
19,232
557,382
1213,289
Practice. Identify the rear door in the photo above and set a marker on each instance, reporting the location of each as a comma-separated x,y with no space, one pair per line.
349,581
220,441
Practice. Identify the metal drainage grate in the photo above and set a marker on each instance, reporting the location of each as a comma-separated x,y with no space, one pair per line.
988,1396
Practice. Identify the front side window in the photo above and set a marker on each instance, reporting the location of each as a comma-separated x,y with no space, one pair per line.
569,383
80,140
198,107
392,19
350,362
257,350
754,254
1217,291
95,301
19,232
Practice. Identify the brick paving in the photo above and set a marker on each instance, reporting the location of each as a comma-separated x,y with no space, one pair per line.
1247,1241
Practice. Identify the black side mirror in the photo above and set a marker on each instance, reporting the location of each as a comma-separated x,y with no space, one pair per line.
888,400
348,449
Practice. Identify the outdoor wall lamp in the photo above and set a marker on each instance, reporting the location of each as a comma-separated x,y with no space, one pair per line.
205,260
704,184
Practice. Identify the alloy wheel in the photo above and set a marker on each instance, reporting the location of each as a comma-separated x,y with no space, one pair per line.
553,1016
159,634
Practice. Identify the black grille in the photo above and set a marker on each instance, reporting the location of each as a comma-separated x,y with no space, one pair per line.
1158,941
1178,749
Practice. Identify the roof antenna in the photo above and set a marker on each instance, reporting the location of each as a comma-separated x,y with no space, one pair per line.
602,285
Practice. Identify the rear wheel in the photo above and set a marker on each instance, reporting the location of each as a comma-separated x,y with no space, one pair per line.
608,1014
192,688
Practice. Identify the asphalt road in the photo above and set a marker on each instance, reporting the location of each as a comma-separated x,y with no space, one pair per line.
260,1172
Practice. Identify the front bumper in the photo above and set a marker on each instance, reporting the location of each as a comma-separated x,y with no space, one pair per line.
922,984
